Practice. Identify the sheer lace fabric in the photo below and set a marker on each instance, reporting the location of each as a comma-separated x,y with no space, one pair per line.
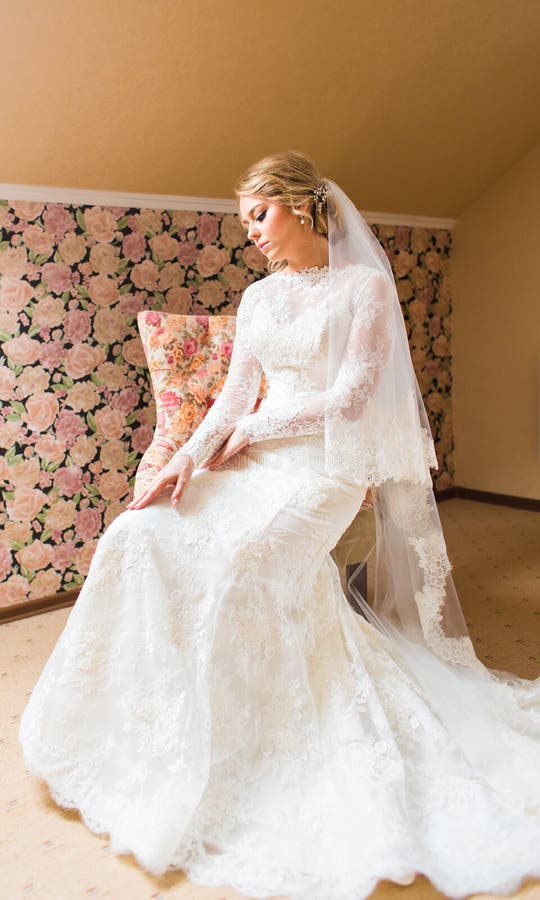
215,705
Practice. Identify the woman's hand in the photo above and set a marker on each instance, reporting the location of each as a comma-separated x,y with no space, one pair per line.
234,443
177,472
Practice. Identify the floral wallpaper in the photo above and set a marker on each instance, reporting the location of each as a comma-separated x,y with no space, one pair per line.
76,406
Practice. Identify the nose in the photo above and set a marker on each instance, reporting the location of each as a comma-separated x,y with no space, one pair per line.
252,232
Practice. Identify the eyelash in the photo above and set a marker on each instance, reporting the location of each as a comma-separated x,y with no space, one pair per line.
261,216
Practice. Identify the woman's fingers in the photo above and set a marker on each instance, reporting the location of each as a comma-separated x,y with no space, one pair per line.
179,489
148,495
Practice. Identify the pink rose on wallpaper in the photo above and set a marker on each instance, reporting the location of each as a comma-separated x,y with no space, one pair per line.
83,450
141,438
190,347
131,304
60,515
32,380
41,410
5,562
103,290
432,260
113,455
72,249
433,368
434,326
144,275
49,448
69,426
236,278
177,300
126,400
113,509
110,423
57,276
233,233
63,555
15,294
211,260
22,350
112,375
133,352
36,556
434,402
10,432
402,237
207,228
84,557
68,480
58,220
13,261
149,219
49,311
134,246
76,325
171,275
38,240
226,348
187,253
7,383
184,218
87,523
211,294
100,223
82,359
83,396
26,504
9,321
113,485
45,583
426,294
14,590
164,246
440,346
104,259
254,259
109,326
26,209
25,473
419,277
404,263
51,354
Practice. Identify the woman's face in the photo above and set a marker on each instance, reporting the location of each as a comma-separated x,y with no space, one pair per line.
273,228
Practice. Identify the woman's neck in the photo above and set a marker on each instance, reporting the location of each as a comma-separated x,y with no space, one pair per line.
314,256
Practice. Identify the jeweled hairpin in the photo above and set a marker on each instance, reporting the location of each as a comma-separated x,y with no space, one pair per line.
320,194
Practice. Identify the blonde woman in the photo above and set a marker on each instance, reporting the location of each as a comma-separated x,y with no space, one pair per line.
214,704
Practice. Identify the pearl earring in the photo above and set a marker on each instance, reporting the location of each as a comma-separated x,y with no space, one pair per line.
302,221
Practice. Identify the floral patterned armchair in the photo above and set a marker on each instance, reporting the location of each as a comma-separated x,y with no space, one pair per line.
188,359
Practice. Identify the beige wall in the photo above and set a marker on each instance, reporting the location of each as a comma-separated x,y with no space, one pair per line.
496,290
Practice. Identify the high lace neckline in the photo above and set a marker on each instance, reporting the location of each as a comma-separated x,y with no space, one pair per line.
306,272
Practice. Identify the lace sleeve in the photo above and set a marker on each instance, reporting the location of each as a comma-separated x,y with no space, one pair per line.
236,398
366,353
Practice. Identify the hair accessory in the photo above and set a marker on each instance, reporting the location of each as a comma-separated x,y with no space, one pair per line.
320,194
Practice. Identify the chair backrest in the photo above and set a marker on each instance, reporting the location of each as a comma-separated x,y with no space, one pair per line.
188,360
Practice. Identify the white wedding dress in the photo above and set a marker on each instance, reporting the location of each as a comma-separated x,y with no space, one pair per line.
214,704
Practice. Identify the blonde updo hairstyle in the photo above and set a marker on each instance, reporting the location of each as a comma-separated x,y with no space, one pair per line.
289,179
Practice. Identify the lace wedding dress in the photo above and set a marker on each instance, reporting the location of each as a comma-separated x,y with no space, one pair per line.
214,704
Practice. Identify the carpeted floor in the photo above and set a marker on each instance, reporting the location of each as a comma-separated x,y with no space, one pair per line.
48,853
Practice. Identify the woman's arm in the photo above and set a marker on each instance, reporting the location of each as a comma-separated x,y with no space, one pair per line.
366,353
236,398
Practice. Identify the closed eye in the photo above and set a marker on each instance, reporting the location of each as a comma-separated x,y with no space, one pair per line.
261,216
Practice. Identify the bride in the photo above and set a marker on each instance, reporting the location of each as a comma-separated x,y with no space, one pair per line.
213,703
